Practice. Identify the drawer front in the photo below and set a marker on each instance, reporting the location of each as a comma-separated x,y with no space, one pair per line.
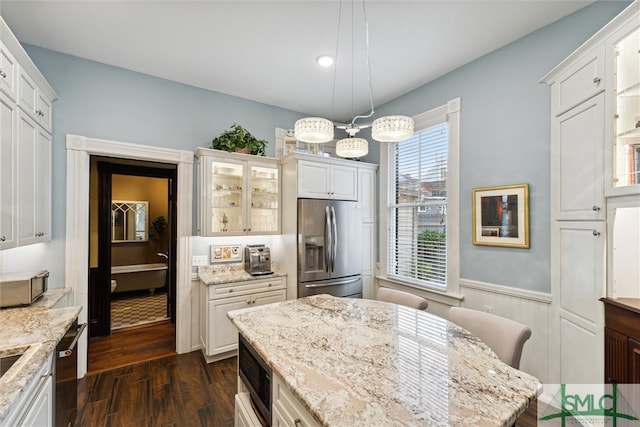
245,288
27,95
8,72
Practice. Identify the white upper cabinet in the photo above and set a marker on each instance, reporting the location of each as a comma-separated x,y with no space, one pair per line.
581,81
8,141
324,180
238,194
25,149
8,72
577,162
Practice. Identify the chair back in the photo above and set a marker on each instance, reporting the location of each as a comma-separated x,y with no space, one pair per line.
504,336
402,298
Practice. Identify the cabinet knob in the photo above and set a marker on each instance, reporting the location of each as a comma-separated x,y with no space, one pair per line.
297,422
3,238
3,74
248,229
269,285
596,233
230,290
595,208
596,80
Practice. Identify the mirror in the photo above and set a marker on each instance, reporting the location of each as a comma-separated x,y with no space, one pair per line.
129,221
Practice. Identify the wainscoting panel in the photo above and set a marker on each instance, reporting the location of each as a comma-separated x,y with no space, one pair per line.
530,308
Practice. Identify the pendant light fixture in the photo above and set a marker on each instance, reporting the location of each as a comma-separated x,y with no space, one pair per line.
384,129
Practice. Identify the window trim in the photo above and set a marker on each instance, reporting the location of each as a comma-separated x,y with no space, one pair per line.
449,112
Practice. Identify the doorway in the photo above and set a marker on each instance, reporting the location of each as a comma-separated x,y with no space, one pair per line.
132,249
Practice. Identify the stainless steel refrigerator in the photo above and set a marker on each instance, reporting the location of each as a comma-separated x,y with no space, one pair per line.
329,248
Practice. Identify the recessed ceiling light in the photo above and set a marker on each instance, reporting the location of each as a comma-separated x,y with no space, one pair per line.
325,60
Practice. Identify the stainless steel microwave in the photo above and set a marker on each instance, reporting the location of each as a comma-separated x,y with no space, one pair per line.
20,289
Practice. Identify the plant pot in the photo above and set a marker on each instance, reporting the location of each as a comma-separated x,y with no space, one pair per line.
244,150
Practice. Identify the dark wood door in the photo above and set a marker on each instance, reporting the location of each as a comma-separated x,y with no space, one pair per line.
634,361
615,357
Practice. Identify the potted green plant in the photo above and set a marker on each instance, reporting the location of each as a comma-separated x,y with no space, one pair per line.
238,139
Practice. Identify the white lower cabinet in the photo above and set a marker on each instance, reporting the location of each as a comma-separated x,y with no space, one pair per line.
244,415
218,336
40,414
34,406
287,410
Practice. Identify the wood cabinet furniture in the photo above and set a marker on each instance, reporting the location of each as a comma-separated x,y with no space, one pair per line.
584,102
239,194
25,147
218,336
622,340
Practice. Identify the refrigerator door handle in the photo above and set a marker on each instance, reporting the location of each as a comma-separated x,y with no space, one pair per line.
337,282
334,253
327,239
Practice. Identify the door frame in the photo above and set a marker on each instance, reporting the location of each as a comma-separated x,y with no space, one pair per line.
106,169
79,150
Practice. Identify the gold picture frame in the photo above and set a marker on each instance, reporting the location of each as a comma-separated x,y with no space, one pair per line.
501,216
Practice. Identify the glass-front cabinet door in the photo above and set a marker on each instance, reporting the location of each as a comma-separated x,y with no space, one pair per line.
627,114
227,197
265,199
239,194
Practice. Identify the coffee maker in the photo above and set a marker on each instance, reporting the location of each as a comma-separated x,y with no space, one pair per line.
257,260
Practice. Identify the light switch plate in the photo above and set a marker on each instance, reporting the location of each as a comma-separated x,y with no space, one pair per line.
197,260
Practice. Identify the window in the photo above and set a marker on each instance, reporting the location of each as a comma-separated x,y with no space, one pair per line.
422,202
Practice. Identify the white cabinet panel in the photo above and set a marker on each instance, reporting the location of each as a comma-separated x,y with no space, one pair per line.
8,138
223,336
367,193
8,72
40,414
581,81
577,166
327,181
34,182
27,94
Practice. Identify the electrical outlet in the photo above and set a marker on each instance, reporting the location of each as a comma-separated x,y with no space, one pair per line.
197,260
488,309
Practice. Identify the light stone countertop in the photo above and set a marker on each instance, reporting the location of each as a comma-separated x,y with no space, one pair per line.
218,274
36,331
361,362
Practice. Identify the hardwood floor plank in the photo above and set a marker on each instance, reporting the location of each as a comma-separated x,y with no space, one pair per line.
175,391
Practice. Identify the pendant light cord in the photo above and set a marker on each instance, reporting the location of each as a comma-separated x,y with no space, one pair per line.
368,55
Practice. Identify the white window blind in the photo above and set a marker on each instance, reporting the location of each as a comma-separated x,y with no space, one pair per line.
417,207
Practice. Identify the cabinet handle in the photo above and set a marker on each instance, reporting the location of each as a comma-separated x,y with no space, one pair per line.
297,422
3,74
596,80
595,208
596,233
3,238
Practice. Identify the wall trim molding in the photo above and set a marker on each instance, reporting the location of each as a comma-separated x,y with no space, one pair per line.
79,150
542,297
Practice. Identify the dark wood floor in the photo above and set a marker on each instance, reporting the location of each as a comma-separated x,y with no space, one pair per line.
179,390
136,379
132,345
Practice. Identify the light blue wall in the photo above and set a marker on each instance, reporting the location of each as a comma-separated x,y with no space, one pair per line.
504,133
106,102
505,122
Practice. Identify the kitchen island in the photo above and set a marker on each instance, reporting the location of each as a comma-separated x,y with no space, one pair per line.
33,332
361,362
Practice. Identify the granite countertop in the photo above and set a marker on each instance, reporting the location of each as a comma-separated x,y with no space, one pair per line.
229,273
361,362
35,331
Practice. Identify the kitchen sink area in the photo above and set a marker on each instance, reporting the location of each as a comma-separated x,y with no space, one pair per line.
8,360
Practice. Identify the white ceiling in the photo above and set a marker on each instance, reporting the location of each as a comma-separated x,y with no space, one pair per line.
265,50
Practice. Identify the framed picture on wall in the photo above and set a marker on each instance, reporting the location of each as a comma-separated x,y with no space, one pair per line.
501,216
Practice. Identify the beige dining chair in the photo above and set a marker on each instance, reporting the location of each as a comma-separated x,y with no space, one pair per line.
504,336
402,298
